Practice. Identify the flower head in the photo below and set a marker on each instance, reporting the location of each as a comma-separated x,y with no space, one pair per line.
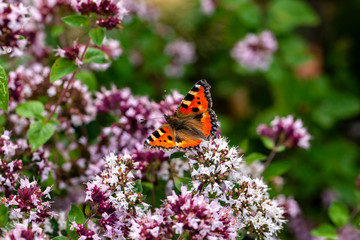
286,131
199,217
110,12
28,201
255,51
253,209
26,230
186,213
181,53
112,195
214,165
13,17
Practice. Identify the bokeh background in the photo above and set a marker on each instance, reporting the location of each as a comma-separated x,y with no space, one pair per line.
314,75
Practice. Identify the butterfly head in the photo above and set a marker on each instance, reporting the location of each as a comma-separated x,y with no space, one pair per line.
167,117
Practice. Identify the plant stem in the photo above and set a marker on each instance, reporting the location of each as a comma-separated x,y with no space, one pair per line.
62,94
180,237
270,157
354,212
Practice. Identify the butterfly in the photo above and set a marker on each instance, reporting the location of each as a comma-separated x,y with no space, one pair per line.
193,122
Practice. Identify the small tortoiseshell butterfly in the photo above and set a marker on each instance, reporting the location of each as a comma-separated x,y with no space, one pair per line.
193,122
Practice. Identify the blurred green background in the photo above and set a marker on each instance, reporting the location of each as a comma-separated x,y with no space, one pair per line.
314,76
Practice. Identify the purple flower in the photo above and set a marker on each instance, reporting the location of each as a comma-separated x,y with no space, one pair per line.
255,51
186,213
26,230
110,12
286,132
297,223
112,196
13,17
27,82
9,174
27,202
254,211
181,53
208,6
214,166
7,147
145,10
84,233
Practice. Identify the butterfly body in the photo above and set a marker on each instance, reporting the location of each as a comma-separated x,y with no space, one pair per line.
193,122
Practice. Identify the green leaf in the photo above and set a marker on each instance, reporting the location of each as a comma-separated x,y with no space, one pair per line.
338,214
325,230
97,36
335,106
87,77
181,181
241,235
276,169
2,120
4,91
77,20
61,68
95,55
39,133
299,50
147,186
88,210
138,187
76,215
30,109
285,15
255,157
60,238
249,13
268,143
280,148
4,215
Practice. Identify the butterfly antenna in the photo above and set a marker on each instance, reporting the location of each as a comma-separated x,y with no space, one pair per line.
143,120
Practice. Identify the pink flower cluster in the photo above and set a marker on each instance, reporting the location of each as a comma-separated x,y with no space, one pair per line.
186,214
26,230
27,203
13,17
285,131
110,12
112,196
181,52
254,52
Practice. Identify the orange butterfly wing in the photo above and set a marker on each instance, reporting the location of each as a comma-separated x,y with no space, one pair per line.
198,99
193,122
162,138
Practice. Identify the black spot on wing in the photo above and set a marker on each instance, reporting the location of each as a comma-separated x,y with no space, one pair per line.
184,106
170,138
156,134
198,117
178,139
195,89
162,130
150,139
189,97
195,109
